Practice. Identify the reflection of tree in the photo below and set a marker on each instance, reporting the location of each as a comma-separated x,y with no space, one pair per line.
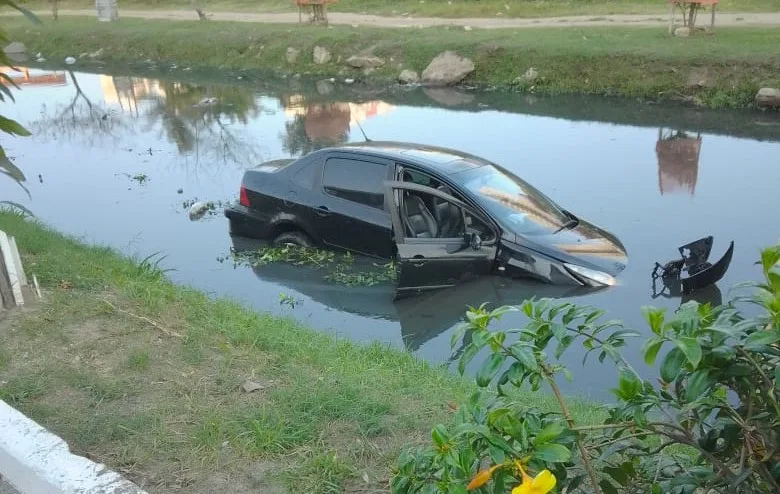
200,119
322,125
678,160
81,120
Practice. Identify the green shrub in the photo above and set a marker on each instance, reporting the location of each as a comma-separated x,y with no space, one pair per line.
711,420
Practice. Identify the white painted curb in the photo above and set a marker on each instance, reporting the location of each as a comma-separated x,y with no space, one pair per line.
35,461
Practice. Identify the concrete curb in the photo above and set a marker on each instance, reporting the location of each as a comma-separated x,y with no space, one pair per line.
33,461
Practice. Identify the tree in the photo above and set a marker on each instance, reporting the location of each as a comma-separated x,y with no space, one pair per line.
7,125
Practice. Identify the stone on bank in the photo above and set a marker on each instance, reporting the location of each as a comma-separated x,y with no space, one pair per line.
447,69
768,97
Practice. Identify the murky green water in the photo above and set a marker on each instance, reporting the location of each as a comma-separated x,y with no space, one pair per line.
115,158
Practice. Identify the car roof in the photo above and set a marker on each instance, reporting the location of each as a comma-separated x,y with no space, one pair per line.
444,160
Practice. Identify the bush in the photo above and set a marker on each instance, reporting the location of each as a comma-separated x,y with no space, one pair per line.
711,422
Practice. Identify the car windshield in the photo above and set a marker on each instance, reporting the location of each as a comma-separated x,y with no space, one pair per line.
514,202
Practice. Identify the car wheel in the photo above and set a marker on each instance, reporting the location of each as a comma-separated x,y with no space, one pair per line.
293,238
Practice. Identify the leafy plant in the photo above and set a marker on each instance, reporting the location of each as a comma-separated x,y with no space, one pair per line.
710,421
6,124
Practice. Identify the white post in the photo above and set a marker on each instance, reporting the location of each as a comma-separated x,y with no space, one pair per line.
106,10
10,267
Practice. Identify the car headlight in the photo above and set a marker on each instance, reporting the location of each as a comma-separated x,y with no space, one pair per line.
591,275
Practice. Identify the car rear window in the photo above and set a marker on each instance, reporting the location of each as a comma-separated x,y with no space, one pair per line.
355,180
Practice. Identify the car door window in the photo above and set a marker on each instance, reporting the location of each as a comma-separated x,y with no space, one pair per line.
355,180
305,177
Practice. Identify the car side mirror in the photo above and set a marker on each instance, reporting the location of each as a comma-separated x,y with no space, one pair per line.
475,241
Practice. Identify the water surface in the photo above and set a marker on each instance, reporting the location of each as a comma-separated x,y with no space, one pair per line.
114,158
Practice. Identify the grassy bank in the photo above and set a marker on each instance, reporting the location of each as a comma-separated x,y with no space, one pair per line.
436,8
146,377
631,62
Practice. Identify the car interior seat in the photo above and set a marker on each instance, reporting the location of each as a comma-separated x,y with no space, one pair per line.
420,223
447,215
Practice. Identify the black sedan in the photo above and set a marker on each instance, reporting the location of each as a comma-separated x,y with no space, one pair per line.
444,215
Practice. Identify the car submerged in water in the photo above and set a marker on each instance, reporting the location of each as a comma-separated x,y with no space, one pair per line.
443,215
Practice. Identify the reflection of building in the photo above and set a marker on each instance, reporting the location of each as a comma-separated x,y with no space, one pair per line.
126,91
23,77
331,121
678,161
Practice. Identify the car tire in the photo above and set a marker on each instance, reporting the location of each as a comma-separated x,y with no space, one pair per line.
293,238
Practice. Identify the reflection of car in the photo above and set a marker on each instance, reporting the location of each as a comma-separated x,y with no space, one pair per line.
421,318
445,216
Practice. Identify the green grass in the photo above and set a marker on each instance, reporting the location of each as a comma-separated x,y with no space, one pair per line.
438,8
631,62
169,412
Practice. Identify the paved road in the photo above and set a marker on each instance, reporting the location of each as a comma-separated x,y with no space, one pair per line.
722,19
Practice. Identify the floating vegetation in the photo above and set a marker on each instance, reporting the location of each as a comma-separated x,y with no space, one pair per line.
341,268
141,178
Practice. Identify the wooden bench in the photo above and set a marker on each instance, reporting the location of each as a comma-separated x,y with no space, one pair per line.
689,21
319,10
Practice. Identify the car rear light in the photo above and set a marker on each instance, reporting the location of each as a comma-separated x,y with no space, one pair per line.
243,199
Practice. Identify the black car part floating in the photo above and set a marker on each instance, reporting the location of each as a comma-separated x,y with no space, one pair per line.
692,271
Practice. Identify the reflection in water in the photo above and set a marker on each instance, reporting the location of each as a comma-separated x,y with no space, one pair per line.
678,160
317,125
422,317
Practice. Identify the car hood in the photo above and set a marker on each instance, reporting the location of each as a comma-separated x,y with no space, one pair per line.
586,245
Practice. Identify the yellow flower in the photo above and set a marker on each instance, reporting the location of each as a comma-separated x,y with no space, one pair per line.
481,478
543,483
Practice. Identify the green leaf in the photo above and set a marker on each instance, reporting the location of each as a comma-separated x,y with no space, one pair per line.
607,487
698,383
552,453
654,318
489,369
525,355
650,350
558,330
777,377
468,355
11,127
761,338
691,348
770,257
440,435
550,432
672,364
629,384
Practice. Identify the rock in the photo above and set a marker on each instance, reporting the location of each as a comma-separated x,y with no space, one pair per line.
446,69
682,32
324,87
291,55
40,59
70,60
15,48
321,55
768,97
467,28
365,61
250,386
700,77
408,77
99,53
349,80
530,76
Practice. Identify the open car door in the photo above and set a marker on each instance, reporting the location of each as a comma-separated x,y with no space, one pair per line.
440,241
